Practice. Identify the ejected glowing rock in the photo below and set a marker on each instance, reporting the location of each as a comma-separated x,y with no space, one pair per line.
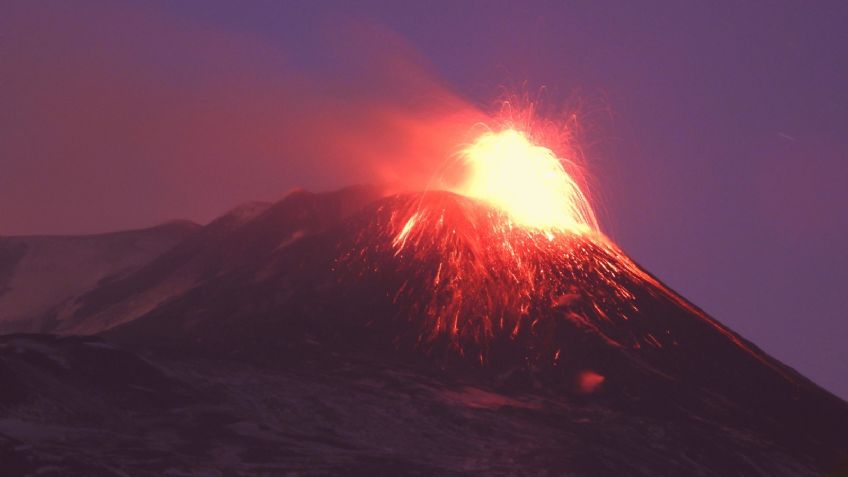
526,181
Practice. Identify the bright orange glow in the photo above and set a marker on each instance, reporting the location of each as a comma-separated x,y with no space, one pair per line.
589,381
526,181
512,257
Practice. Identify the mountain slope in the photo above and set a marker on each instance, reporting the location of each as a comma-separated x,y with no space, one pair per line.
597,326
40,272
226,244
181,413
346,333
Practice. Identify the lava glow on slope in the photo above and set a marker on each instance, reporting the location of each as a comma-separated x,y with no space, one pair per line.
509,252
527,181
511,255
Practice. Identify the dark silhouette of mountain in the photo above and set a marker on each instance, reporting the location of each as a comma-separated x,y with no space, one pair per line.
349,333
228,243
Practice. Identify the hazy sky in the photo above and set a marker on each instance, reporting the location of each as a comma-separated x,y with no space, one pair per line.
717,136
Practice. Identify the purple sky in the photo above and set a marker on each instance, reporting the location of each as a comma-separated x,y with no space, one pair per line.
717,136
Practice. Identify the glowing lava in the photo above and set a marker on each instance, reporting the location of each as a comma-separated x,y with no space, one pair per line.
512,258
526,181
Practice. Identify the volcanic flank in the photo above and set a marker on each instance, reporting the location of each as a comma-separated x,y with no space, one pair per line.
443,332
461,296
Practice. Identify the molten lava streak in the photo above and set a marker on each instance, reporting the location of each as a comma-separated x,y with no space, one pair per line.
527,181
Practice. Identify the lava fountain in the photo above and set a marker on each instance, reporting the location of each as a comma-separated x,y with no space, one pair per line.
527,181
511,254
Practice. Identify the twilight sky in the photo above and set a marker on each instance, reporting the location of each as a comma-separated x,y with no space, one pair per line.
717,136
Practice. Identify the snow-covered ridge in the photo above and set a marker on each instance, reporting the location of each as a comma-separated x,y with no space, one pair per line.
39,272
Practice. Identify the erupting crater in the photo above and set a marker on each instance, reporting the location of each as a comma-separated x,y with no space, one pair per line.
526,181
512,256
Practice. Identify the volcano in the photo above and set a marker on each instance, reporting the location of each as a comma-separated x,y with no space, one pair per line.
363,333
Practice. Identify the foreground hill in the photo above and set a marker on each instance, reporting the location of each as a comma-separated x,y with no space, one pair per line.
85,407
